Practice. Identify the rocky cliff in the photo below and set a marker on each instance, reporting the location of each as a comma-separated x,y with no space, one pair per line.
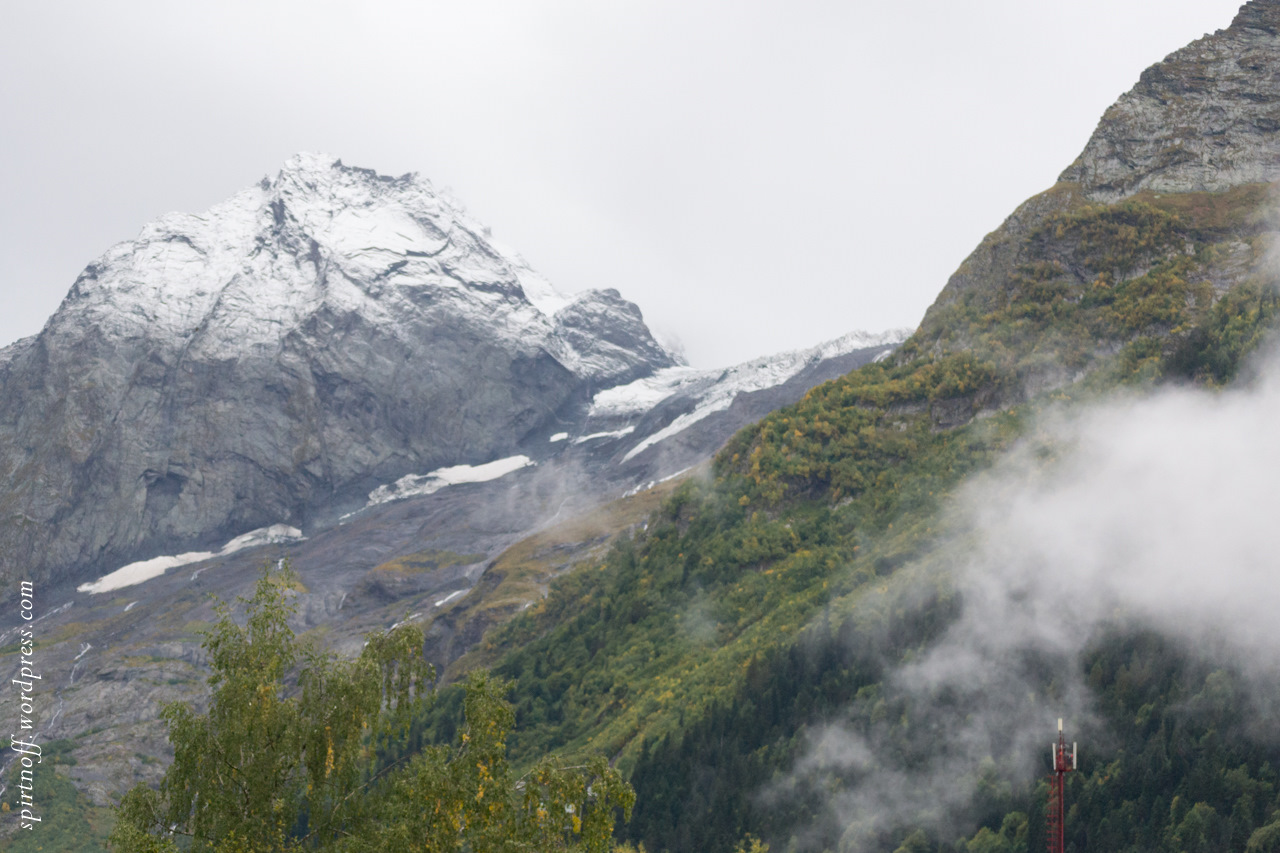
457,550
1207,118
1168,210
277,357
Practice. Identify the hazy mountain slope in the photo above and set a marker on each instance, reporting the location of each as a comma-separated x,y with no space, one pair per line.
751,657
458,560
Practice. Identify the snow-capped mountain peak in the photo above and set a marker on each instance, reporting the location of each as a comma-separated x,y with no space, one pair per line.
322,235
321,332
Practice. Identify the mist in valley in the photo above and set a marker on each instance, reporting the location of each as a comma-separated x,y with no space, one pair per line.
1143,513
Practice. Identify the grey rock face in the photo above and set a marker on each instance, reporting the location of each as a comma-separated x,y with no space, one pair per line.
608,333
276,358
1207,118
117,657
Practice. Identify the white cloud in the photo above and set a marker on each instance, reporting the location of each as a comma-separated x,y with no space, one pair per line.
1154,512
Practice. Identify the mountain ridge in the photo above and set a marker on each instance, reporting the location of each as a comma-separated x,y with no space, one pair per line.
1202,120
143,401
283,354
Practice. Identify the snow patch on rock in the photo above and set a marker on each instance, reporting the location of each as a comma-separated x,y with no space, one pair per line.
715,390
643,394
617,433
413,485
145,570
440,602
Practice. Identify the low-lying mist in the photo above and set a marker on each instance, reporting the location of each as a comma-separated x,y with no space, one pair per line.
1156,512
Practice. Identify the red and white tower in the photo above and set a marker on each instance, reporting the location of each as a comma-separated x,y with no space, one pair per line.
1063,763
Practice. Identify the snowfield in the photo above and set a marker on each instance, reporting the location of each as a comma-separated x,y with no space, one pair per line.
145,570
413,485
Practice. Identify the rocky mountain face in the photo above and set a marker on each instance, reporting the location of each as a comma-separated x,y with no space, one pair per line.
457,549
1173,195
343,370
1203,120
276,358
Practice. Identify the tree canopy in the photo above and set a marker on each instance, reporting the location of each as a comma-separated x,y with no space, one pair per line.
287,757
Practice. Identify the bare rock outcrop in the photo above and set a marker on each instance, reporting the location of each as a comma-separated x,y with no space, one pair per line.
1205,119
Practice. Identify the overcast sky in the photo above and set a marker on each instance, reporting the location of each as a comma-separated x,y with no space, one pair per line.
756,176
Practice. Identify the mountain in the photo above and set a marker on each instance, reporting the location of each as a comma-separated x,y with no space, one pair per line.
344,370
853,627
275,359
857,632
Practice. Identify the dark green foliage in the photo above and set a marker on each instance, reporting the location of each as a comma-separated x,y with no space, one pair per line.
1236,326
684,652
1177,767
1011,837
701,786
68,821
1265,839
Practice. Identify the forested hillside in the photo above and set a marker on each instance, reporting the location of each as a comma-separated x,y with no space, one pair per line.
780,599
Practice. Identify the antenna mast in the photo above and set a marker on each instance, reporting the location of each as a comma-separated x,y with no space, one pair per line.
1063,763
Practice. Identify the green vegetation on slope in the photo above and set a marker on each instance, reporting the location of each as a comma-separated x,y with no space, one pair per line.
520,576
690,652
68,821
627,649
1135,276
778,593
